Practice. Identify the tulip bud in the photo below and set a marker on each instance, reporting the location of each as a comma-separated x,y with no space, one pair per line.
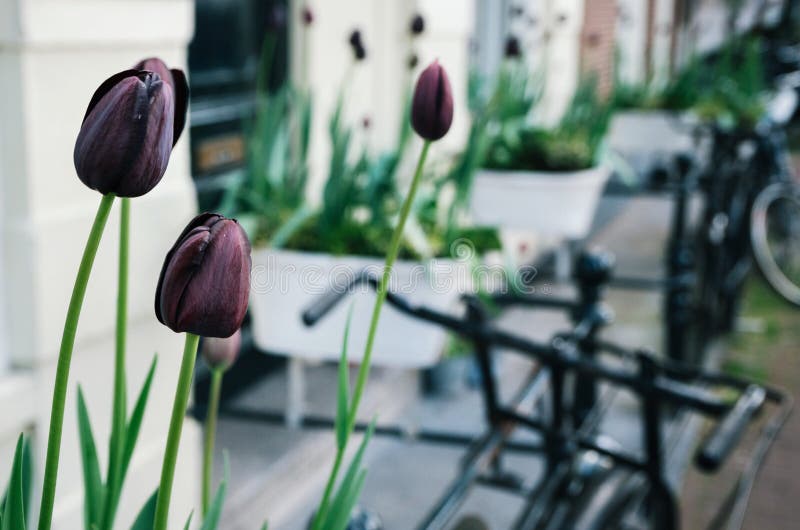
221,353
513,49
128,131
417,24
357,45
308,16
205,281
180,89
432,107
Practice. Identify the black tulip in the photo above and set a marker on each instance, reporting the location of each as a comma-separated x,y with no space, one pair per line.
357,45
180,88
205,281
308,16
128,131
432,107
513,49
417,26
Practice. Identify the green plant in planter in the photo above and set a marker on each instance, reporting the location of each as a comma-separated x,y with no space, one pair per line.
680,92
573,144
272,187
736,99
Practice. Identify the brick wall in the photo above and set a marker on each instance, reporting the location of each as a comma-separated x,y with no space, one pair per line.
598,42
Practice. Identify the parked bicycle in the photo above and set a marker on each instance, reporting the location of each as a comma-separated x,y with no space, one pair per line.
588,481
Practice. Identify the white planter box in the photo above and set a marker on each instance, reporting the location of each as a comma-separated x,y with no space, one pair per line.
560,204
286,283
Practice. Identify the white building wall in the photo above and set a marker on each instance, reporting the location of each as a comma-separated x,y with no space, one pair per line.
53,55
632,41
377,87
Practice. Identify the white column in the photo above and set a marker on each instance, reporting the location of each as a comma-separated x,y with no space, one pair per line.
53,55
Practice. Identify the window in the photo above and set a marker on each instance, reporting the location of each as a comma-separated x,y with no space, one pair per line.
224,61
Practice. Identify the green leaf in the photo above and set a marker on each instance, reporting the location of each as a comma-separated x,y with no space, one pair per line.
215,510
188,522
349,489
147,515
342,401
14,502
135,422
93,488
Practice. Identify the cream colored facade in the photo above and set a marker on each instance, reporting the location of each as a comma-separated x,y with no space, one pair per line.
53,54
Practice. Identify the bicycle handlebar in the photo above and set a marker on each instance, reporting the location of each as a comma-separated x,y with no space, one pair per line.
327,301
725,436
670,386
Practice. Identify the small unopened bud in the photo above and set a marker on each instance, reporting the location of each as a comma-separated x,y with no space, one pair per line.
432,107
357,45
513,49
221,353
417,26
308,15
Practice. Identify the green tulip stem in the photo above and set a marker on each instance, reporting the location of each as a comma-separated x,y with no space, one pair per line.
363,370
211,429
64,361
175,427
119,412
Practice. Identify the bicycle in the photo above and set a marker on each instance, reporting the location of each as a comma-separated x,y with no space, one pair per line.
588,483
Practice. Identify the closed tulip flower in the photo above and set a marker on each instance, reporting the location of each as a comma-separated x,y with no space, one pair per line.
128,131
221,353
432,107
417,26
205,281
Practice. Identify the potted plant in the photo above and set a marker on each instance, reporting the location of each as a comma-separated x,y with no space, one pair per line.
346,235
545,179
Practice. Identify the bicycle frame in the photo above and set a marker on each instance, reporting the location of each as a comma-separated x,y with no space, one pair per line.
661,387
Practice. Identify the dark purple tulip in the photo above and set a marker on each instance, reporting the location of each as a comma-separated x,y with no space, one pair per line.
432,108
180,89
221,353
417,26
205,281
513,49
308,16
127,134
357,45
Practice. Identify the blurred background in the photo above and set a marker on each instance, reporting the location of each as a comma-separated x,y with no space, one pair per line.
303,135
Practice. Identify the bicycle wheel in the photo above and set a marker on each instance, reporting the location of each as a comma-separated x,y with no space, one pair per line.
775,238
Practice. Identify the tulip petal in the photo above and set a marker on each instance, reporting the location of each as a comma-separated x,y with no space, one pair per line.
181,93
105,87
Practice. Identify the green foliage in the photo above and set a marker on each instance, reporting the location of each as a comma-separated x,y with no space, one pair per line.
15,503
682,91
360,198
274,181
212,518
336,515
146,515
100,496
735,95
573,144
